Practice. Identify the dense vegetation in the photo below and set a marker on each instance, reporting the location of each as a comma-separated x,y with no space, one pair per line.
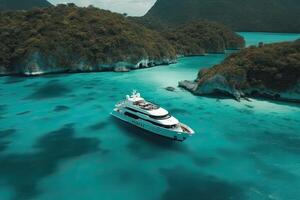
240,15
275,66
69,38
66,35
23,4
196,37
202,37
271,70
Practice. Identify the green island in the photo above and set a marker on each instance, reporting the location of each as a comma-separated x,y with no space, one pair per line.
196,37
270,71
240,15
67,38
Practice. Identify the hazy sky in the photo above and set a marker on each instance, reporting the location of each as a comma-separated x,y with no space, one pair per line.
131,7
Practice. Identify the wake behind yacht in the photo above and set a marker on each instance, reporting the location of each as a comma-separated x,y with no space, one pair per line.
151,117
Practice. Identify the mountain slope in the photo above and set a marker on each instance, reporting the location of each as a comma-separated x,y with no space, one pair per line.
196,37
240,15
23,5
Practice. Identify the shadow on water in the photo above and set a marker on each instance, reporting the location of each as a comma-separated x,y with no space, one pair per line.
147,139
147,145
24,171
52,89
190,185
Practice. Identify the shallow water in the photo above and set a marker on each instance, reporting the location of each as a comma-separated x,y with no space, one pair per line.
58,141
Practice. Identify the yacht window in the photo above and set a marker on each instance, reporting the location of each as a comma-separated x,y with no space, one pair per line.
131,115
153,117
161,117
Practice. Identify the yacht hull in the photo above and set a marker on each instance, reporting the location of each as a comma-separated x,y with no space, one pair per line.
170,134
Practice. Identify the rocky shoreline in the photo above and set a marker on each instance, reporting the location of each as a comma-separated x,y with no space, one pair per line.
218,88
270,71
33,68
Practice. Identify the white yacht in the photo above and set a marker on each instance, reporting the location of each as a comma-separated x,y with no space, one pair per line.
146,115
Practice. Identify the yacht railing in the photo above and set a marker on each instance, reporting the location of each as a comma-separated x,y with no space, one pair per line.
186,129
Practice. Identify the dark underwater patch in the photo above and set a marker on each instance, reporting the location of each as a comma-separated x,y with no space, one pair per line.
72,95
24,113
200,108
179,111
98,126
265,169
14,79
3,136
24,171
268,142
52,89
2,111
249,106
6,133
58,75
189,185
287,119
88,87
3,107
246,111
274,172
61,108
141,151
204,161
89,99
32,85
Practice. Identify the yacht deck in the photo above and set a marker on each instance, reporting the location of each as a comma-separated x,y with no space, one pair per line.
146,105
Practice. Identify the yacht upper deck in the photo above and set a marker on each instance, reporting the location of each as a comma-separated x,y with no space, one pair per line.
135,101
145,105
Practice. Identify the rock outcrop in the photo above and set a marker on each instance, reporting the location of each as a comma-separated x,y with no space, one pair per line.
270,71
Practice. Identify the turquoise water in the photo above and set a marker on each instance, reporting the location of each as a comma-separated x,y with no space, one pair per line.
58,141
267,38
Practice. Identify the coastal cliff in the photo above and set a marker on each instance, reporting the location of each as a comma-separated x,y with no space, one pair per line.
67,38
270,71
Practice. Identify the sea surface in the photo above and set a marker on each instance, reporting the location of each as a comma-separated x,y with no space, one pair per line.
58,140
